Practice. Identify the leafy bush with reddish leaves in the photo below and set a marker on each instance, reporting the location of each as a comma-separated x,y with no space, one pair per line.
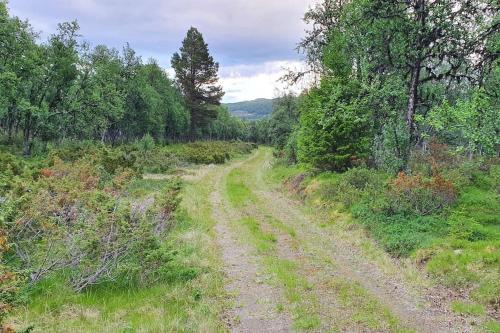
420,195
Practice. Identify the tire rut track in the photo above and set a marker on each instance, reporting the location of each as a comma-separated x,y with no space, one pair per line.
255,307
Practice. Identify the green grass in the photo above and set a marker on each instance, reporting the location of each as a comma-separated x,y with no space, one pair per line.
285,272
282,171
467,308
367,311
304,306
141,187
492,327
470,254
238,192
108,309
279,225
264,242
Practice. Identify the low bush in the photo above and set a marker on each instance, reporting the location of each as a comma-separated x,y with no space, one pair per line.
81,217
346,189
400,234
210,152
75,218
9,282
147,143
146,156
419,195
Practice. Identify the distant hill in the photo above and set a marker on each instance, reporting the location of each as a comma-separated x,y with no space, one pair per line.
251,110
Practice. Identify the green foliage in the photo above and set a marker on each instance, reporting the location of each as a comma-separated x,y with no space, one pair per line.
417,195
9,282
280,128
184,294
147,143
291,149
284,118
196,73
472,125
11,167
335,126
405,70
227,127
65,90
390,151
73,216
400,234
214,152
83,217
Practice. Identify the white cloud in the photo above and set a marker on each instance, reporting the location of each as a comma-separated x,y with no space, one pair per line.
247,82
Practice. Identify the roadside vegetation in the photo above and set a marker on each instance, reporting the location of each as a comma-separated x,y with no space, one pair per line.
400,136
93,234
93,245
448,227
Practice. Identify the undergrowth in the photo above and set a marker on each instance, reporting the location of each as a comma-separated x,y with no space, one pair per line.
85,237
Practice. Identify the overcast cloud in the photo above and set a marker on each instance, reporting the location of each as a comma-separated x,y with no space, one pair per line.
253,40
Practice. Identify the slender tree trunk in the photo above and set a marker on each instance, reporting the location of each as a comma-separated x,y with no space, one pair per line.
412,101
10,128
27,142
27,134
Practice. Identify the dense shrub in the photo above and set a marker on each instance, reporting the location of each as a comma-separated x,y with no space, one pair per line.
419,195
399,234
157,160
10,167
146,156
347,188
74,216
73,221
335,126
147,143
210,152
74,213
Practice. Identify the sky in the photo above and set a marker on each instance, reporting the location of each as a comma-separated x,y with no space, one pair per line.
253,40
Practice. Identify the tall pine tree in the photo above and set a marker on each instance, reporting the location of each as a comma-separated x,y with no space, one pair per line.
196,72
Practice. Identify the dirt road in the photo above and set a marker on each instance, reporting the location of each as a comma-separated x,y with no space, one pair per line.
289,269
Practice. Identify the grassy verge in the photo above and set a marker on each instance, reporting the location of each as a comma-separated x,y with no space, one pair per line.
456,241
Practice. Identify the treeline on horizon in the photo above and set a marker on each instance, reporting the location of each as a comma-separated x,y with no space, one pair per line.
64,89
